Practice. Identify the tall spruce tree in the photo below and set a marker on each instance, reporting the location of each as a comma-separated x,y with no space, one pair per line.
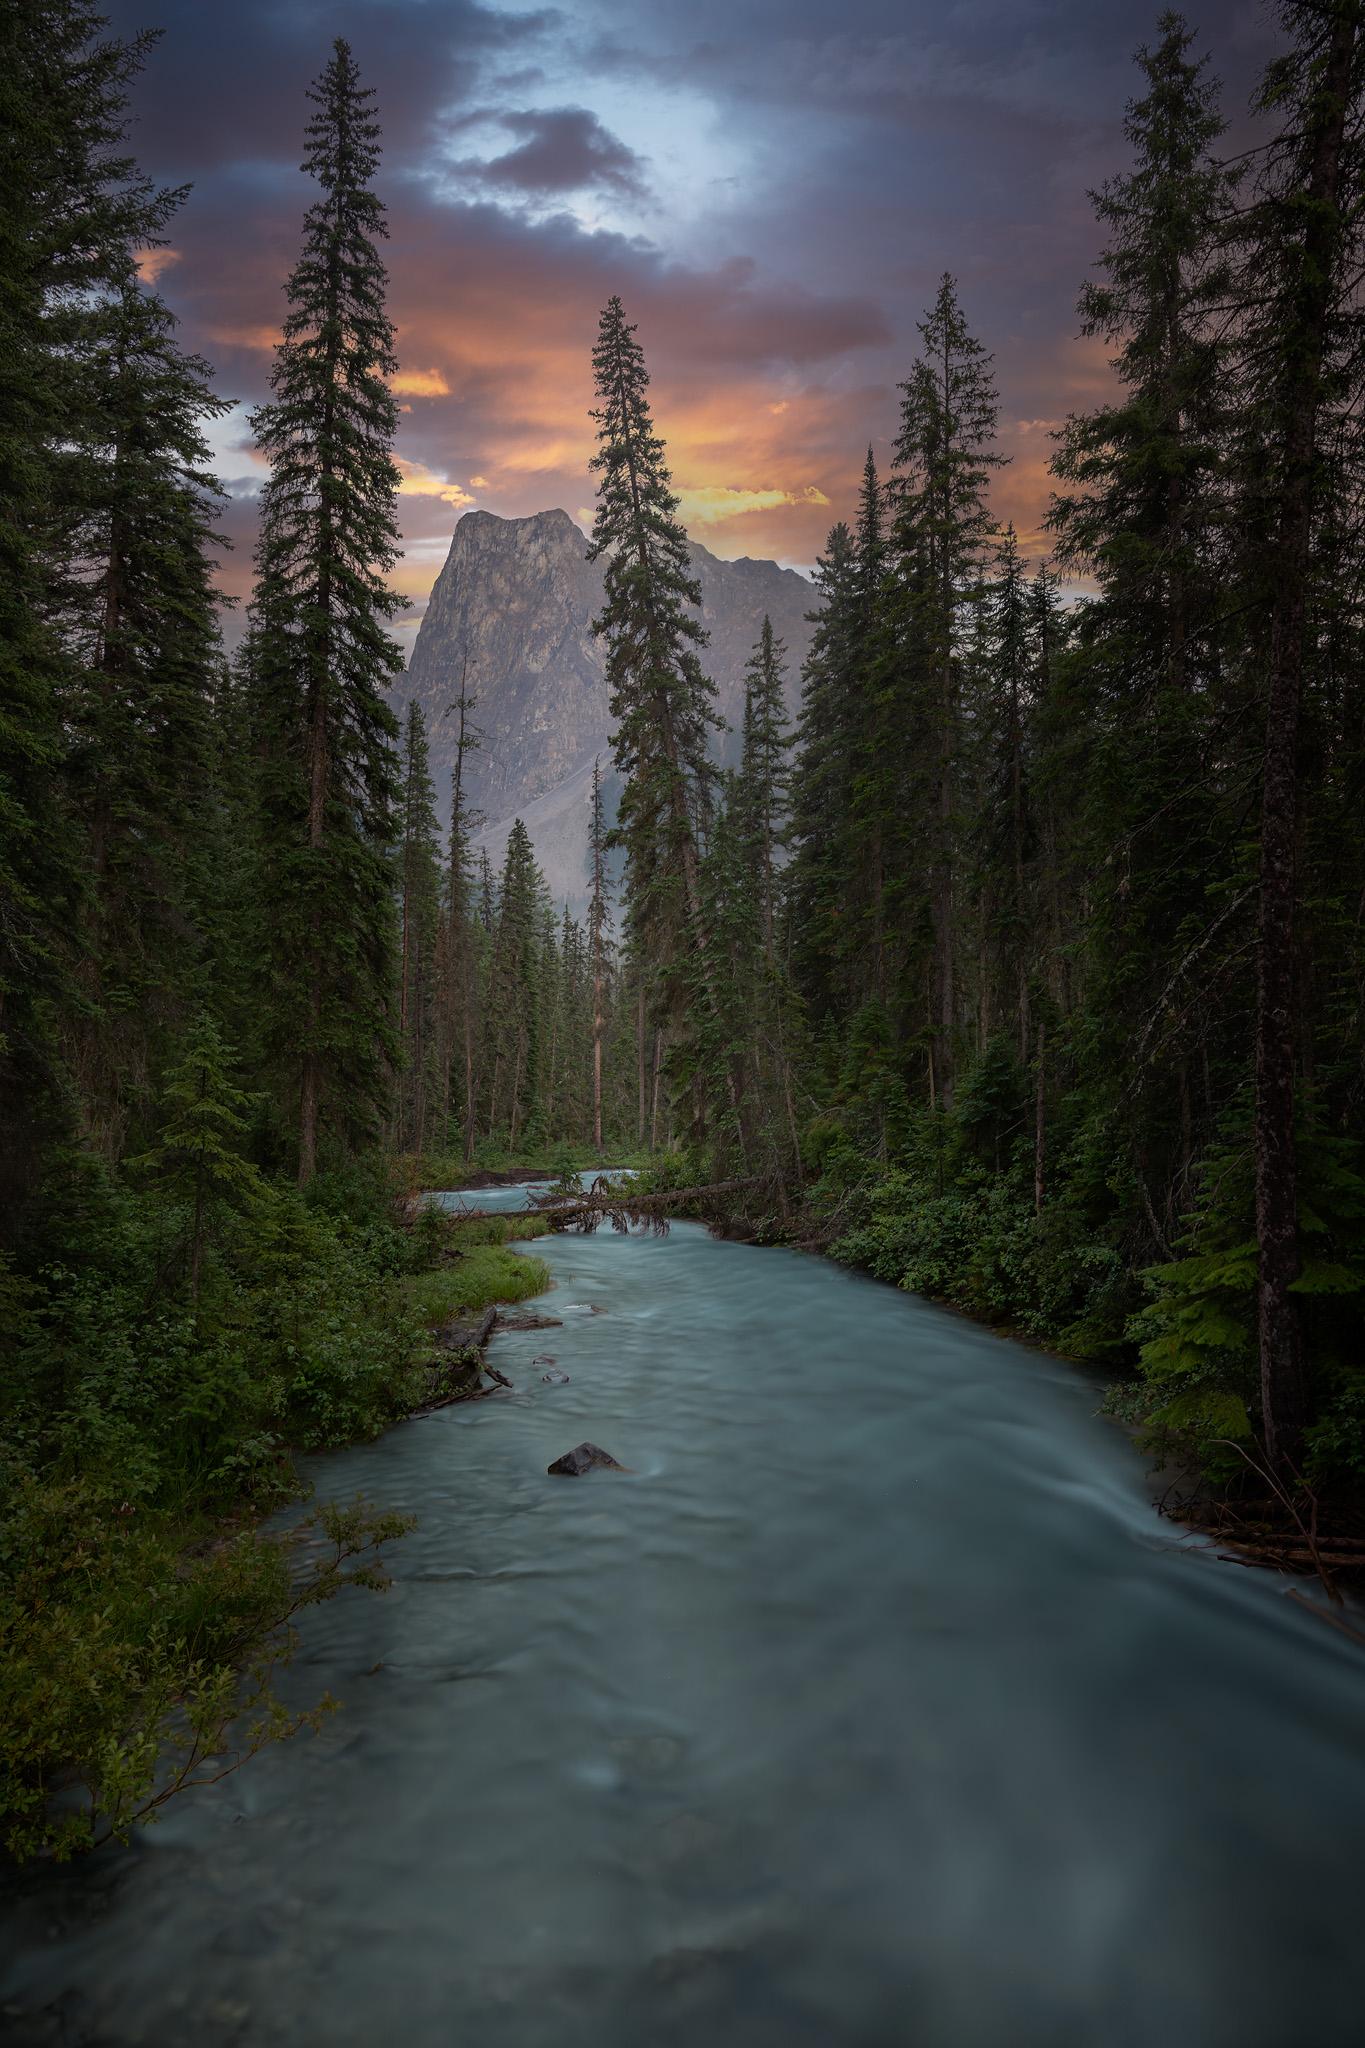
320,656
765,778
880,732
1304,243
660,698
1144,508
945,455
1006,826
135,503
828,728
73,211
1143,504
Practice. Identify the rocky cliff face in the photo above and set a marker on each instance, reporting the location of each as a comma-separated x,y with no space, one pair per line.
518,597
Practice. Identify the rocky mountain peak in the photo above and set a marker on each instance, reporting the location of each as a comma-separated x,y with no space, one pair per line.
517,598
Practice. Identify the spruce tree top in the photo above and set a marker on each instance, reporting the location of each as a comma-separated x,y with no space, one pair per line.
635,501
660,697
944,454
330,428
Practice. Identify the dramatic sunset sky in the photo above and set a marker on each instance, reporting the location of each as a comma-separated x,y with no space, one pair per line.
774,190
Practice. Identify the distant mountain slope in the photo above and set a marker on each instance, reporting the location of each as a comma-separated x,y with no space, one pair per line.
518,596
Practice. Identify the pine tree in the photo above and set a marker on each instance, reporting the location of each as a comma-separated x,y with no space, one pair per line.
137,503
660,698
823,779
1304,243
321,657
1145,510
73,209
199,1153
1007,826
1143,504
881,732
945,456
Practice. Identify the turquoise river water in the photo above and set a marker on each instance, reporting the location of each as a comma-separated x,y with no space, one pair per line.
874,1707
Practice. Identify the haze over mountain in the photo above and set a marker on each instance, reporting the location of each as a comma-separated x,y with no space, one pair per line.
517,598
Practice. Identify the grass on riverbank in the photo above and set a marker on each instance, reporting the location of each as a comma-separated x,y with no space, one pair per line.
485,1273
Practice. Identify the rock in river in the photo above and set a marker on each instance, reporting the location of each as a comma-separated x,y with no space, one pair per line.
585,1458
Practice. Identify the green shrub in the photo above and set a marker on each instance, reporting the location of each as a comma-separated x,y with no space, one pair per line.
979,1243
121,1657
1200,1388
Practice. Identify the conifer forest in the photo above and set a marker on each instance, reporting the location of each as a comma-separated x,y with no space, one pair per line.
1017,960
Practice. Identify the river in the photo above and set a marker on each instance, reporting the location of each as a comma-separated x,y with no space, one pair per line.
872,1708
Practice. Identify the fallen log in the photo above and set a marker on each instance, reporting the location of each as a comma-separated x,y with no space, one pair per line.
624,1201
461,1337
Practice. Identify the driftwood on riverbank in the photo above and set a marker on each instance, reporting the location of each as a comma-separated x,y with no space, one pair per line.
1292,1534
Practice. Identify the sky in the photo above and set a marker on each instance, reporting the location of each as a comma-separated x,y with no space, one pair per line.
773,187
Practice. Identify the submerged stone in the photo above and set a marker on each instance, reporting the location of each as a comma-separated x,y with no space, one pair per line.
585,1458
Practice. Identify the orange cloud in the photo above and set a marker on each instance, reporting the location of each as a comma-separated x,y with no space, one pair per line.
420,384
418,482
258,340
708,504
152,262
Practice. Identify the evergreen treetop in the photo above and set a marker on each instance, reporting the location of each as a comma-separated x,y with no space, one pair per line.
329,529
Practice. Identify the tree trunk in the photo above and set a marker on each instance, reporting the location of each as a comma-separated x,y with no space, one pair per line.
654,1085
943,907
640,1056
1039,1155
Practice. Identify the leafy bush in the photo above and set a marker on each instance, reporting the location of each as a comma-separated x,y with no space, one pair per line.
121,1656
1200,1374
979,1243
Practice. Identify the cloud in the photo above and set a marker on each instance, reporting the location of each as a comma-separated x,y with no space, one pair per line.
566,149
418,482
708,504
420,384
152,262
